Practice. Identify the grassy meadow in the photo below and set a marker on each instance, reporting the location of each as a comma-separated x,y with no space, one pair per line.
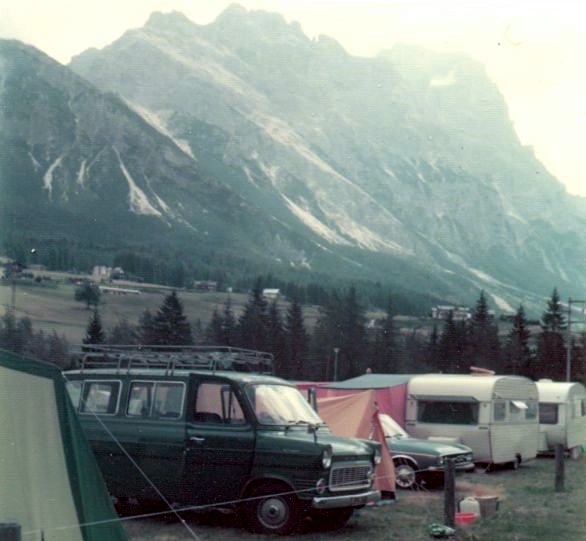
53,307
529,510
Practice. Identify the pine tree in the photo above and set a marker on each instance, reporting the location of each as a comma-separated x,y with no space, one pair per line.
518,355
451,347
146,332
229,324
170,325
483,347
122,333
58,351
432,350
215,330
252,325
276,336
94,333
551,346
296,340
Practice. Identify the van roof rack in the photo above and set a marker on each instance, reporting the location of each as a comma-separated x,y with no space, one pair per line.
170,358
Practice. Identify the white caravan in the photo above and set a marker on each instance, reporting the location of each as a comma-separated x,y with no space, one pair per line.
562,416
496,416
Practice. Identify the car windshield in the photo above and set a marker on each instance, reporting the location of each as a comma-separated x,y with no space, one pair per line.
281,405
391,428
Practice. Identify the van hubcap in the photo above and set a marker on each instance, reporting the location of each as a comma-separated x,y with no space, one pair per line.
273,512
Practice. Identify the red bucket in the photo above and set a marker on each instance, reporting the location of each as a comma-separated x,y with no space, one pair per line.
465,518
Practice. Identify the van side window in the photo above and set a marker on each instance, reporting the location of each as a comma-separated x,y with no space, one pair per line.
169,400
100,397
74,390
217,403
446,412
140,399
548,414
499,410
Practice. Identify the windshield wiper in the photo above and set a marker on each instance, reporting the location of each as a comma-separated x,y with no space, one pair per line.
297,422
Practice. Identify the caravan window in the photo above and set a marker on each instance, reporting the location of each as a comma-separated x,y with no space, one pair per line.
445,412
499,410
548,414
577,407
531,412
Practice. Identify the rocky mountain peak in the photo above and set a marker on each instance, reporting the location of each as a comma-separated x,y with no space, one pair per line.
238,23
174,20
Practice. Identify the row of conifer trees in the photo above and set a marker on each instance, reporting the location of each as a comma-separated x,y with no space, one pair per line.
343,343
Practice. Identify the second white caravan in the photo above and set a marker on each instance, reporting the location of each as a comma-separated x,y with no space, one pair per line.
562,416
496,416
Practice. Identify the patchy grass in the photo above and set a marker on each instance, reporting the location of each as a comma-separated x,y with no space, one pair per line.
529,510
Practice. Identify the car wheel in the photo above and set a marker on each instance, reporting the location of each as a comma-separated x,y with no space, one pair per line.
332,519
271,509
405,474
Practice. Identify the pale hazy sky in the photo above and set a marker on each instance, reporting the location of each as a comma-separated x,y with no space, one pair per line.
534,50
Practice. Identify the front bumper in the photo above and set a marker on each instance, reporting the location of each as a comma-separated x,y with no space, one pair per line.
468,466
346,500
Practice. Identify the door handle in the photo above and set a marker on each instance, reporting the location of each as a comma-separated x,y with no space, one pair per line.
196,439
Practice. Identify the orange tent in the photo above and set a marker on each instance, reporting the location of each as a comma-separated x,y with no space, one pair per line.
356,416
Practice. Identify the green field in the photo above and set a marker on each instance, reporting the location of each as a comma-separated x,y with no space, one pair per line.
54,308
529,510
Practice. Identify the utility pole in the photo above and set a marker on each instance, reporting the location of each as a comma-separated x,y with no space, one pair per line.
336,351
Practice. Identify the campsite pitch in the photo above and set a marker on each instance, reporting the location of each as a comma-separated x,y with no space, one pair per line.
529,510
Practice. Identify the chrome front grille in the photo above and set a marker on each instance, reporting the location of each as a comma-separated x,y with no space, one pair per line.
350,476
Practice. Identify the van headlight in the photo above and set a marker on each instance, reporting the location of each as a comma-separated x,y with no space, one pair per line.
440,460
326,457
378,456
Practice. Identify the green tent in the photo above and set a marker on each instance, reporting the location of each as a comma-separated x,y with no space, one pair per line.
50,483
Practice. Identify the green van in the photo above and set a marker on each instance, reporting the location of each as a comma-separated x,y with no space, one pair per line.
170,428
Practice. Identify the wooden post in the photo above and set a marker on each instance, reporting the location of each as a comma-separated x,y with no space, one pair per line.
559,467
449,493
10,532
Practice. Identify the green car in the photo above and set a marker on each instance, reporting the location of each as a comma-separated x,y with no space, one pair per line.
417,459
168,436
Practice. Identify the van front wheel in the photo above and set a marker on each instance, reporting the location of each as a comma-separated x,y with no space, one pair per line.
272,509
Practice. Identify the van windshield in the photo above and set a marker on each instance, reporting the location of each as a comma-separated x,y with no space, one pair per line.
281,405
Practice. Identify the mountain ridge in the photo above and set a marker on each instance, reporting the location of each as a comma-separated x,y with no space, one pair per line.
406,160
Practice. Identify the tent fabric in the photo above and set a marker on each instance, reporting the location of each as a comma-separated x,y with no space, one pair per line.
371,381
356,416
51,485
390,400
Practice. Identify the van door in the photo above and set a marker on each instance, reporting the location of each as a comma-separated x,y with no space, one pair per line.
156,410
220,443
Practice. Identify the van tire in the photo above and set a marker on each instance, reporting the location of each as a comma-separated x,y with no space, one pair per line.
272,509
